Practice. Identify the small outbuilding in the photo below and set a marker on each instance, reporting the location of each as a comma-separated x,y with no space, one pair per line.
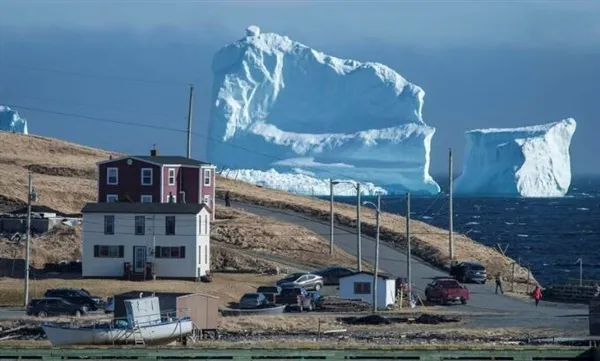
359,286
202,308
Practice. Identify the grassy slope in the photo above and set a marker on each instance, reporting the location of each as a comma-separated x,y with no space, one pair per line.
65,179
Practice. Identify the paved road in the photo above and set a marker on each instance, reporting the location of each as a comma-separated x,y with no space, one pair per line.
393,261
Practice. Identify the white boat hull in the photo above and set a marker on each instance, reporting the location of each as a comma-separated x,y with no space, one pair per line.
162,333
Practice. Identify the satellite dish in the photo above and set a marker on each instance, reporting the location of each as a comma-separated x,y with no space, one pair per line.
129,161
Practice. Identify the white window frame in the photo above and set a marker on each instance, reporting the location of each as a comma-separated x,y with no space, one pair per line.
171,177
108,169
151,176
205,177
112,196
206,199
146,196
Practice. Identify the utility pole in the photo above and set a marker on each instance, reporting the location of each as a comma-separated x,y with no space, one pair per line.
154,246
189,121
580,261
451,210
358,232
376,273
408,251
331,216
31,196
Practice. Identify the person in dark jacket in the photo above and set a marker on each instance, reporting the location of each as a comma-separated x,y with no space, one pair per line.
537,295
227,200
499,283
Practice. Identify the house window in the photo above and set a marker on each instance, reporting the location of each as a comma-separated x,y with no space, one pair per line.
109,224
362,288
112,176
170,252
112,198
200,254
207,177
171,198
206,200
205,224
171,176
146,176
146,198
109,251
205,254
170,225
140,225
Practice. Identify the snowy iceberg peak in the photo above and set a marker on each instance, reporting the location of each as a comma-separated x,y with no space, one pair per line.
285,100
528,161
11,122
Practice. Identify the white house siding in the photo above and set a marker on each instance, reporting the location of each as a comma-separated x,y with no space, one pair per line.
386,291
186,234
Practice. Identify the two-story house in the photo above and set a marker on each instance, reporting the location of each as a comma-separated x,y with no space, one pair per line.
156,179
142,240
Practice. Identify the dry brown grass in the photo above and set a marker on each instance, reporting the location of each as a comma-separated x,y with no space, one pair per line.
69,193
264,236
228,287
428,243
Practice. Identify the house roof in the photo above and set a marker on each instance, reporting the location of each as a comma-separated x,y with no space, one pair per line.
162,160
383,275
156,208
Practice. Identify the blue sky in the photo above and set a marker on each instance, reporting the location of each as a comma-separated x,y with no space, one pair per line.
481,63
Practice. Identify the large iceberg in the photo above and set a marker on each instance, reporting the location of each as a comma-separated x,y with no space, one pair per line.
278,104
529,161
11,122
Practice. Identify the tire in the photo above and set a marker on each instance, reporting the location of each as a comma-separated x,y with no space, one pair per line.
463,301
42,314
77,313
317,286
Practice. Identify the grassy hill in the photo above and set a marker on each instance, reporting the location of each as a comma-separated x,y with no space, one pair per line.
65,180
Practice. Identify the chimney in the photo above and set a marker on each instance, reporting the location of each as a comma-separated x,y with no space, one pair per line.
153,151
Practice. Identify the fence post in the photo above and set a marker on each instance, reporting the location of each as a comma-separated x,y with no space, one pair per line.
528,277
512,284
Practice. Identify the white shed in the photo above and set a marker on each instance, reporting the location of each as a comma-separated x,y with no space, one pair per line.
359,286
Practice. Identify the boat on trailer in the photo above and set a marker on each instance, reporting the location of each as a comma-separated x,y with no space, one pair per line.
144,325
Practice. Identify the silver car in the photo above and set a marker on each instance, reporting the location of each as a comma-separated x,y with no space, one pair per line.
307,281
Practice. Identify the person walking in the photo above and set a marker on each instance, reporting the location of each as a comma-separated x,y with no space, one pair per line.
227,200
499,283
537,295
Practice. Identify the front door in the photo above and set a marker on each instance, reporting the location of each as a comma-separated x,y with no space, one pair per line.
139,259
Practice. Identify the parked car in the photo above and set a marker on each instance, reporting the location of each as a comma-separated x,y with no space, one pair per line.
53,306
447,290
308,281
332,274
109,307
77,296
469,272
270,292
296,298
253,301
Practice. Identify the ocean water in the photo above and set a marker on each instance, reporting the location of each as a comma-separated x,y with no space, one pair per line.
548,235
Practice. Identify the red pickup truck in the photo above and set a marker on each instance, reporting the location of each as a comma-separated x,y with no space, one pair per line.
446,290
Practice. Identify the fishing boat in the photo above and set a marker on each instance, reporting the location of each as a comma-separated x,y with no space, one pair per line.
144,326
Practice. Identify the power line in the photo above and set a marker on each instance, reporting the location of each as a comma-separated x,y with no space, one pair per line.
97,76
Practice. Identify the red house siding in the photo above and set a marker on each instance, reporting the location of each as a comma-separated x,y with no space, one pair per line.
130,181
189,184
171,188
207,190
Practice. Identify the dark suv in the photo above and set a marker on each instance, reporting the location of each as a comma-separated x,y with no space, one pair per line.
75,296
296,298
53,306
469,272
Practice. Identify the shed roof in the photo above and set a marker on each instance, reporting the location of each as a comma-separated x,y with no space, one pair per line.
153,208
383,275
159,294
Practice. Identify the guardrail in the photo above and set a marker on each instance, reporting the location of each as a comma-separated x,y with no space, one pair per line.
528,354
